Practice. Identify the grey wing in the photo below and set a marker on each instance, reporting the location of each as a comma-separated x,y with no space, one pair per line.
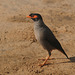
51,39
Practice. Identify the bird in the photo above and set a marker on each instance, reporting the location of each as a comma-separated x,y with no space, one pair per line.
45,36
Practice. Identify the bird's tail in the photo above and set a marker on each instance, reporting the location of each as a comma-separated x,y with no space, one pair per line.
64,53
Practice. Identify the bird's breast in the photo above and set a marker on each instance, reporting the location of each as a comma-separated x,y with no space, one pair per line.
38,33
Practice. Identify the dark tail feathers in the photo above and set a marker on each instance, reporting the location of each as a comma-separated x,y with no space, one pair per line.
64,53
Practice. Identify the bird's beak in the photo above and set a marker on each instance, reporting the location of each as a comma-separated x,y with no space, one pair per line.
28,16
32,17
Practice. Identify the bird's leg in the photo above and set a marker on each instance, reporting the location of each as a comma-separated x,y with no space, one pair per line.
47,59
44,61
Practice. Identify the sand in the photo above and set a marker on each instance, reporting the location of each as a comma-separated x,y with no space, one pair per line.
19,50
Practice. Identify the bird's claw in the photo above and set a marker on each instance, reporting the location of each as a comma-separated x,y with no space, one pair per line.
44,64
45,59
41,65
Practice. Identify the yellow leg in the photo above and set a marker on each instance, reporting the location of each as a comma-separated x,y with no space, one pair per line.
44,61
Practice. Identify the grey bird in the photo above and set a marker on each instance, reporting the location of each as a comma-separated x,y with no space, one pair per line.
45,36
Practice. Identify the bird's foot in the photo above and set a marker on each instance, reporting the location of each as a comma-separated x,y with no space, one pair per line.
42,59
45,59
41,65
44,64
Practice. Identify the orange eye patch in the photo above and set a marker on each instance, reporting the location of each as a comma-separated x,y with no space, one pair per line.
32,17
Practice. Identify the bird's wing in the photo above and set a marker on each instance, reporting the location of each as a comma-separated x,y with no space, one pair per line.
50,38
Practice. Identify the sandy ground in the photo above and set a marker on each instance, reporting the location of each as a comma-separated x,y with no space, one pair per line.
19,50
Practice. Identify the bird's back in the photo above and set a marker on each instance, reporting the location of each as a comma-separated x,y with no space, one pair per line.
44,35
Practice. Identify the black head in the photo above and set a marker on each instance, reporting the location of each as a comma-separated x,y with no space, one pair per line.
35,16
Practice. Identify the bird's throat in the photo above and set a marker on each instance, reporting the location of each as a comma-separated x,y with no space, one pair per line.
39,23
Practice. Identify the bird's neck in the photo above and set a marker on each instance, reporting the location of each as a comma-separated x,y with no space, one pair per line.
39,23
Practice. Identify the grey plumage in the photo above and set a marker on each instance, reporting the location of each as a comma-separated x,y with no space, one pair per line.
45,36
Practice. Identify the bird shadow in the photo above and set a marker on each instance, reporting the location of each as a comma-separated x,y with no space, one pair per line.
71,60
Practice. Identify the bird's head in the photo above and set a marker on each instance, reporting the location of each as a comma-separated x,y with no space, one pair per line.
35,16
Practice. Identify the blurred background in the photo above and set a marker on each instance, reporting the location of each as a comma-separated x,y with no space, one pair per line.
19,49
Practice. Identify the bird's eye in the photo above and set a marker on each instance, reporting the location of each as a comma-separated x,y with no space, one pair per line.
33,15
